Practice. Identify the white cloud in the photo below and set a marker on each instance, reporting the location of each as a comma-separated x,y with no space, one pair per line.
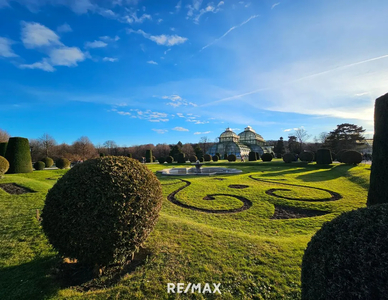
205,132
160,131
177,101
287,130
108,39
66,56
274,5
178,6
5,48
180,129
95,44
110,59
152,62
163,39
150,116
124,113
43,65
132,18
64,28
35,35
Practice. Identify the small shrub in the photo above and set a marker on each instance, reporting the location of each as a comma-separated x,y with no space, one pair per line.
352,157
324,157
102,210
18,155
200,159
3,149
48,162
161,160
215,157
39,165
289,157
4,165
266,157
181,158
149,156
193,158
252,156
348,257
306,156
62,163
207,157
169,159
232,157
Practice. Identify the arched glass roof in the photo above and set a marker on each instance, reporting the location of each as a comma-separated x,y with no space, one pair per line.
249,136
229,136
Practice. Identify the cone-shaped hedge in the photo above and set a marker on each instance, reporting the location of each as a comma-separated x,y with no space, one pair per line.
348,257
102,210
48,162
378,188
324,157
149,156
4,165
18,155
181,158
39,165
3,148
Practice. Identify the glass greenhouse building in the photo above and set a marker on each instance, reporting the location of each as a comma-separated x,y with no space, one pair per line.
240,145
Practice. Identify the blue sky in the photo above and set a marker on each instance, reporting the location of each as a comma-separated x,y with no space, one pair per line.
143,71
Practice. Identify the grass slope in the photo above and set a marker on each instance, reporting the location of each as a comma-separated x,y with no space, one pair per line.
251,255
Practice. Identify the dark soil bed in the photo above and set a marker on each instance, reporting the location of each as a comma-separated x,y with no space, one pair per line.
14,189
288,212
238,186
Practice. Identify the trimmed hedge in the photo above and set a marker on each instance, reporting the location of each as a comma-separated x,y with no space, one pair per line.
181,158
378,188
200,159
266,157
62,163
207,157
348,257
169,159
252,156
39,165
215,157
148,156
324,157
3,149
232,157
289,157
4,165
306,156
352,157
339,155
161,160
102,210
193,158
48,162
18,155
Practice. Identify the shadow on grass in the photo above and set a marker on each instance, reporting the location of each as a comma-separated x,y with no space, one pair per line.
28,281
332,172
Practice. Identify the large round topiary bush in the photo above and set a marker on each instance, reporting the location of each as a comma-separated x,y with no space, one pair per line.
169,159
3,149
48,162
339,155
352,157
324,157
215,157
348,257
181,158
207,157
161,160
102,210
193,158
62,163
306,156
4,165
289,157
266,157
39,165
232,157
18,155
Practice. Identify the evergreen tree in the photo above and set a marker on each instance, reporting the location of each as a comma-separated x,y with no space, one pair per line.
345,136
279,146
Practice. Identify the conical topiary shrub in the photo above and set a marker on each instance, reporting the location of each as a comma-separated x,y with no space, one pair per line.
324,157
18,155
378,188
3,148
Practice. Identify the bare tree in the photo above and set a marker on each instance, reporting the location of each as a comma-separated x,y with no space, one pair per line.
204,143
188,150
4,136
84,148
47,142
110,145
161,150
302,136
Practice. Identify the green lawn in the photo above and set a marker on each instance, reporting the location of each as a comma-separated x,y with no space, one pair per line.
250,254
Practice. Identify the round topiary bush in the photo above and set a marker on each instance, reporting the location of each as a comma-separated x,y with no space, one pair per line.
339,155
306,156
39,165
232,157
18,155
62,163
200,159
252,156
102,210
161,160
3,149
207,157
181,158
351,157
193,158
266,157
215,158
348,257
289,157
324,157
278,155
169,159
48,162
4,165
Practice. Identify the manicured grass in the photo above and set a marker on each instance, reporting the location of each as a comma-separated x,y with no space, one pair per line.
251,255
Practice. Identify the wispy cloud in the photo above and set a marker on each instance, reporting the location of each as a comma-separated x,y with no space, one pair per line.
132,18
42,65
152,62
151,116
177,101
35,35
110,59
178,6
109,39
180,129
95,44
163,39
205,132
5,48
274,5
64,28
227,32
160,131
